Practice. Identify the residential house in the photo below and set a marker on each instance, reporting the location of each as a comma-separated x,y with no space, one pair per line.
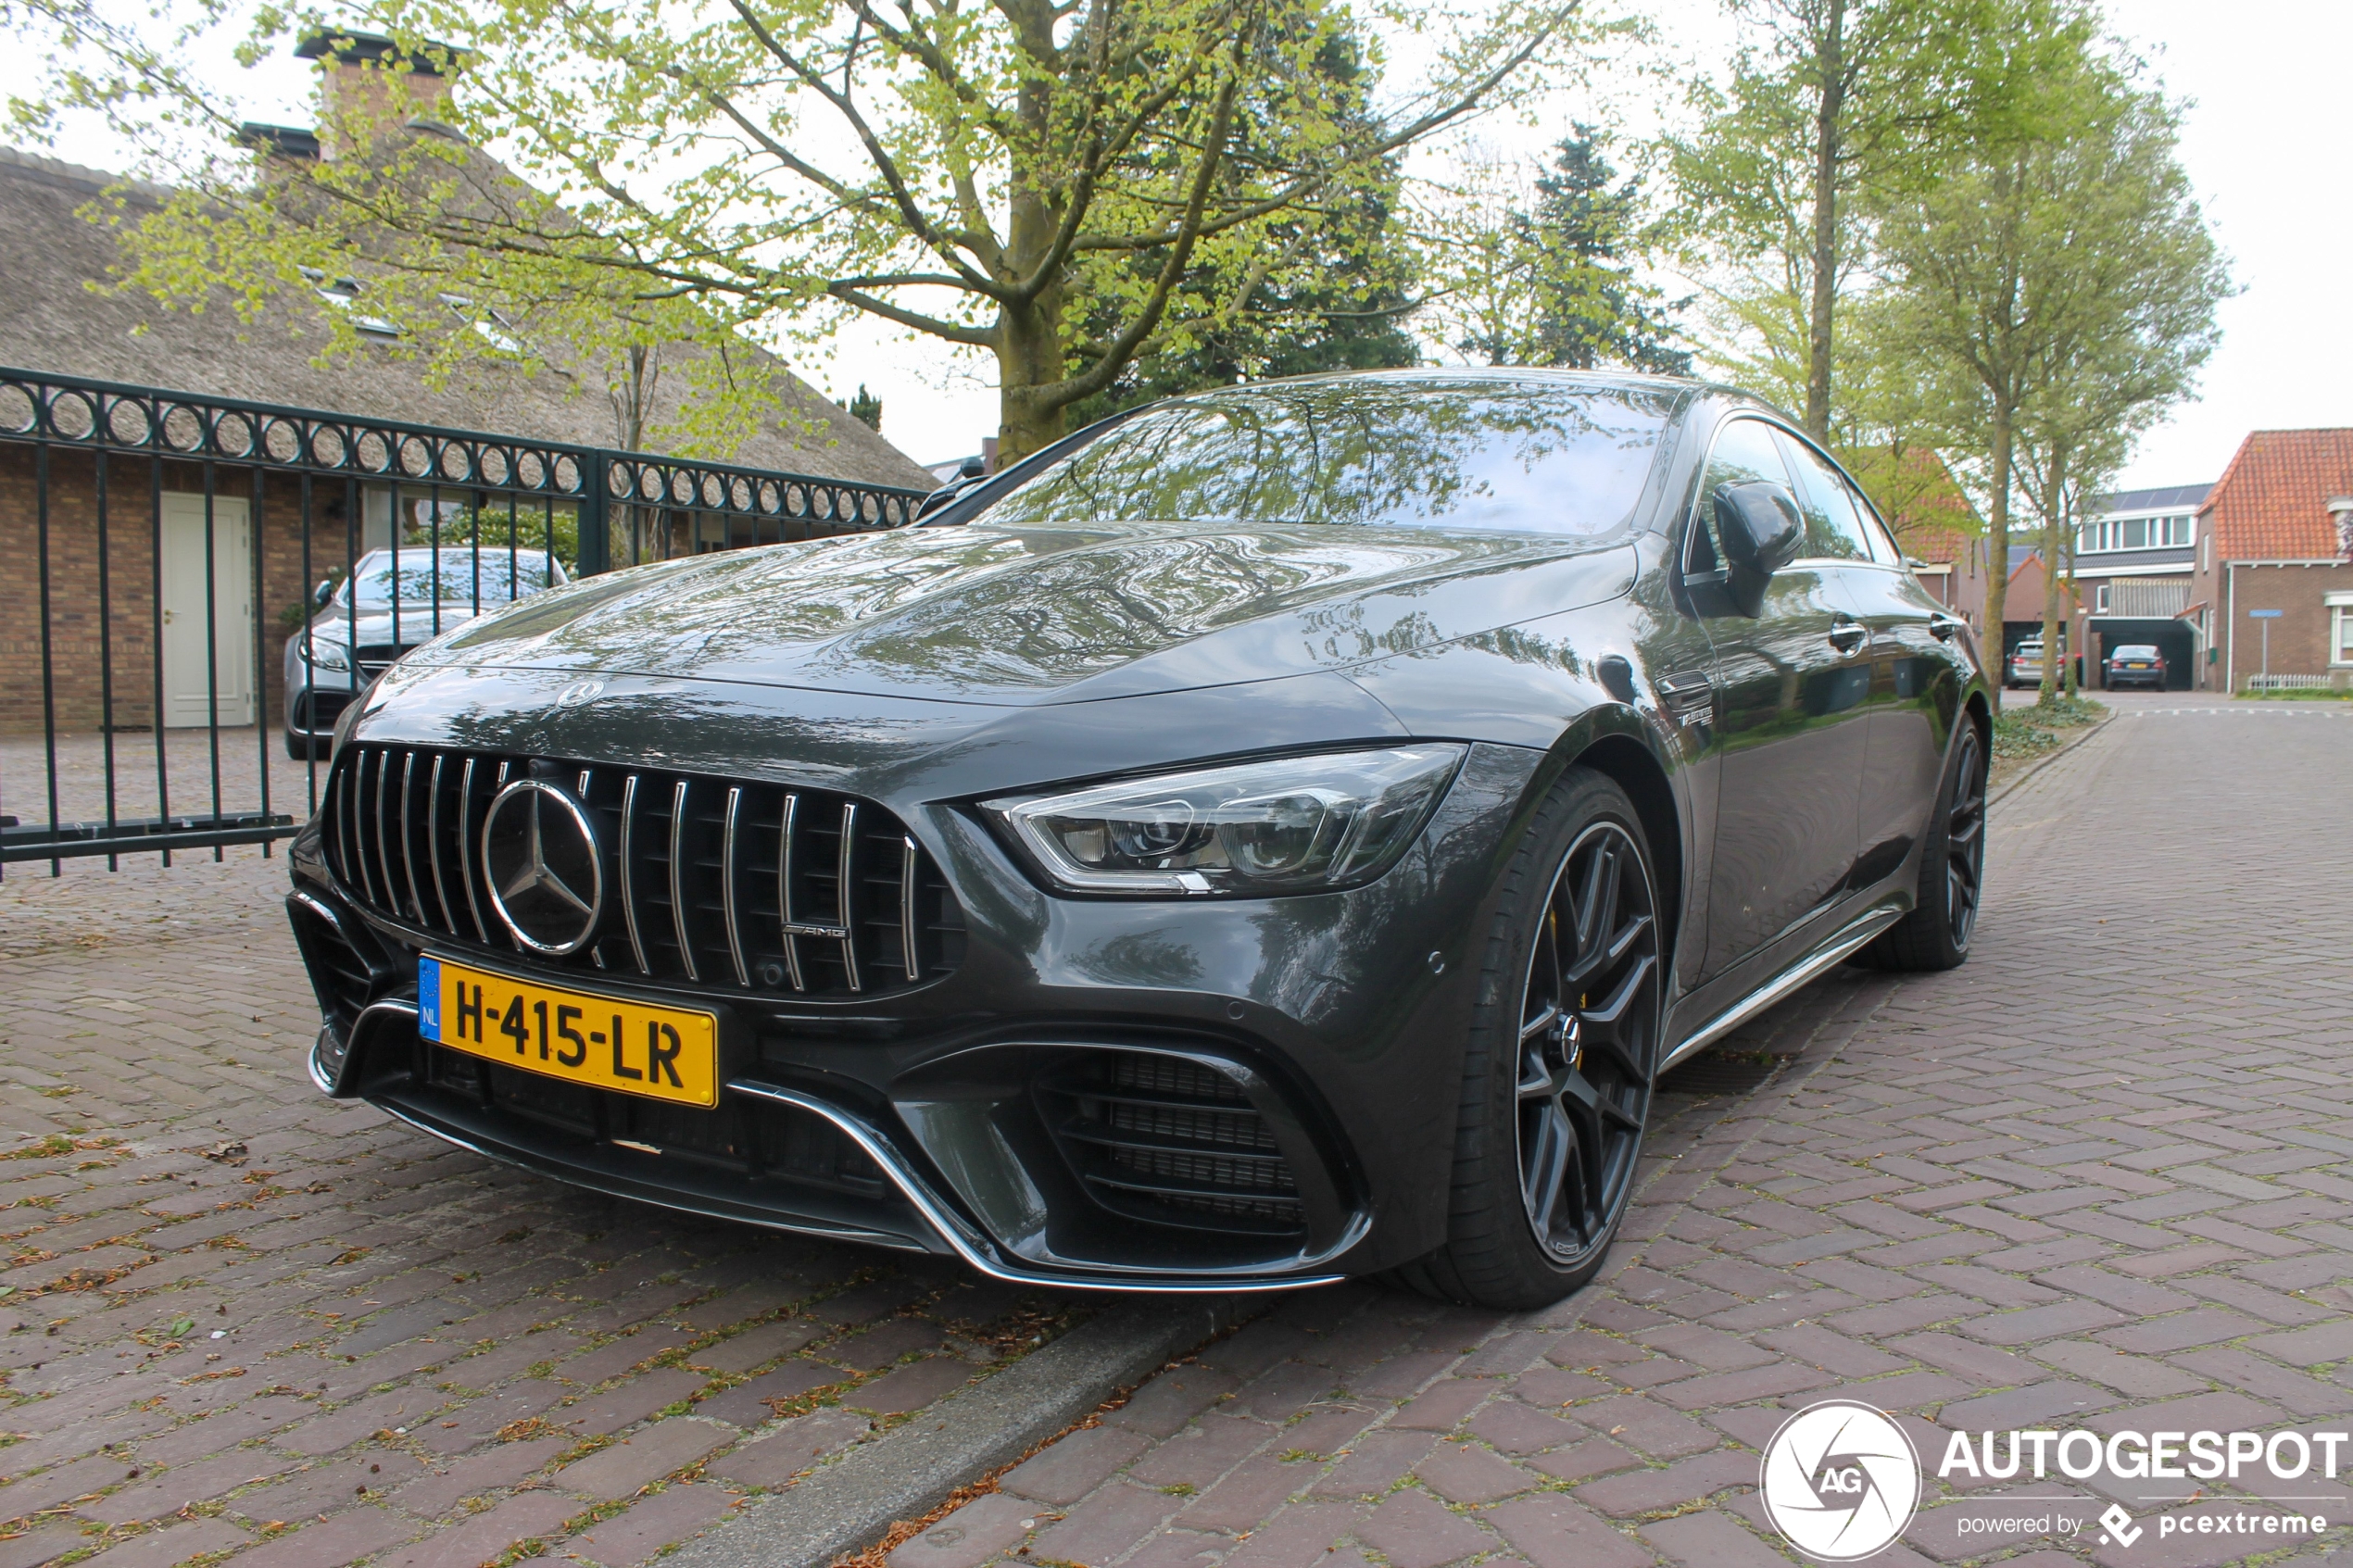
2272,582
53,320
2134,554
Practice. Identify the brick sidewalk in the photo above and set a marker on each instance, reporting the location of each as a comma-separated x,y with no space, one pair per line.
241,1318
2096,1176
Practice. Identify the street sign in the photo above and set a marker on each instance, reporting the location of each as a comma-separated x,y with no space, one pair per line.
2264,614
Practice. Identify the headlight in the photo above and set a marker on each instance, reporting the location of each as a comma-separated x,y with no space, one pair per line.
327,655
1295,824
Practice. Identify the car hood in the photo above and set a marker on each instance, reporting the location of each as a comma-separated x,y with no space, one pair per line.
1043,614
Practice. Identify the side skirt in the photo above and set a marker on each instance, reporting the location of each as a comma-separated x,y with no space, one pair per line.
1836,950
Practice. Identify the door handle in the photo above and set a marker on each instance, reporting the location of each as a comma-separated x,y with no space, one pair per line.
1847,634
1945,628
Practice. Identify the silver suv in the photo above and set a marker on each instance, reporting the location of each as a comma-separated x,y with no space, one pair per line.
439,590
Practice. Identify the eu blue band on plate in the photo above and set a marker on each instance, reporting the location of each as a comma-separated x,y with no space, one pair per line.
428,997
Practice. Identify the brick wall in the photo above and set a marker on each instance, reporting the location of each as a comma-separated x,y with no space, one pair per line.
2299,638
83,643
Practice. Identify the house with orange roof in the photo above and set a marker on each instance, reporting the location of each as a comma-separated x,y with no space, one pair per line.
2272,583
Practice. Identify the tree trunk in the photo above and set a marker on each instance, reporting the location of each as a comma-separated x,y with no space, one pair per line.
2052,678
1029,357
1829,57
1997,547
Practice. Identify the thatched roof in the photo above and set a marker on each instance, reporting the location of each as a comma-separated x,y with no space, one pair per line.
52,320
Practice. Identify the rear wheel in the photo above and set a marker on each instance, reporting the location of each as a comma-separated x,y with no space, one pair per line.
1936,934
1564,1045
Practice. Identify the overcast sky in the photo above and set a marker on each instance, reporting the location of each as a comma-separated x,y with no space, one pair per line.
2265,144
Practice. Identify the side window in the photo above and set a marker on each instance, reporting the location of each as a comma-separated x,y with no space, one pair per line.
1834,525
1745,451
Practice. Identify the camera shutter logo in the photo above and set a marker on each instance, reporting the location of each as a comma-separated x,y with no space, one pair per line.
1840,1481
547,878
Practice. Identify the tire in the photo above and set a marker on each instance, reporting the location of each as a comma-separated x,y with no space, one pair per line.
1555,1091
1936,935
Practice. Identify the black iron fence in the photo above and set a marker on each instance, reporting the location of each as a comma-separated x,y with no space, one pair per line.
202,584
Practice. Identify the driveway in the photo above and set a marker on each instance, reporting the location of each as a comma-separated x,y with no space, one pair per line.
2096,1176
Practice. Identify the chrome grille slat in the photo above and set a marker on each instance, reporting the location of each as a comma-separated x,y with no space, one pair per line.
908,891
408,836
383,860
848,876
432,847
789,825
629,873
844,880
727,864
465,849
677,879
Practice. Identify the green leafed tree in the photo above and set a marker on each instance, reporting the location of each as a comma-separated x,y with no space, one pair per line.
1329,291
2063,284
1548,276
1064,184
1830,106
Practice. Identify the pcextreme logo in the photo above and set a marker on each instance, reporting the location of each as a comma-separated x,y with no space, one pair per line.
1840,1480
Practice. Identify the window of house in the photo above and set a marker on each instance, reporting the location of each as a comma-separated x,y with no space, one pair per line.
2133,533
2099,599
2340,629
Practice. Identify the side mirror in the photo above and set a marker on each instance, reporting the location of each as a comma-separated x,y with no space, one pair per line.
1759,525
321,594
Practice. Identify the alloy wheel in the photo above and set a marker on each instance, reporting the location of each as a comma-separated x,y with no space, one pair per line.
1965,840
1588,1041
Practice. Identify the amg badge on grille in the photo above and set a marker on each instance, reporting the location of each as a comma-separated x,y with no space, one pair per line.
540,857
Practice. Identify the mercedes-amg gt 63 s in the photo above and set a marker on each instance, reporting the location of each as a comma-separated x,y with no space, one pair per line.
1276,834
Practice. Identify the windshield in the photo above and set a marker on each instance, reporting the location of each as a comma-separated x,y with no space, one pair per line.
490,576
1523,456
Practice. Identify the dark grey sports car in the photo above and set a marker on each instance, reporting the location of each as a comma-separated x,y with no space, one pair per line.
1276,834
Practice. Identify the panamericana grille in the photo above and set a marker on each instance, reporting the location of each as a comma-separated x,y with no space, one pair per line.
708,883
1157,1137
377,658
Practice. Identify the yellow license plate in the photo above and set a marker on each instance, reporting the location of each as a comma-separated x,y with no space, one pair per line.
664,1053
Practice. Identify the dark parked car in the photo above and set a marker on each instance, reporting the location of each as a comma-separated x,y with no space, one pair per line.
2136,664
1276,834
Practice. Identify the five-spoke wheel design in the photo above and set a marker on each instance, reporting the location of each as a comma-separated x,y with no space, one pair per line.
1588,1043
1965,839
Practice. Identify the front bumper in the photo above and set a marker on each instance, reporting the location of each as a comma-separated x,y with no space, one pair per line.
1324,1032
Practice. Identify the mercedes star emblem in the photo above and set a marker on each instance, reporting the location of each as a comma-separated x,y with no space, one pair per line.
539,856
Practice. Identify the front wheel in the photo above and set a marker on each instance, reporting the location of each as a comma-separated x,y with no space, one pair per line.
1935,935
1564,1045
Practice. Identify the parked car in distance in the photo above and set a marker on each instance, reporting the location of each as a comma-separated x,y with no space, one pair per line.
2136,664
338,651
1276,834
2025,665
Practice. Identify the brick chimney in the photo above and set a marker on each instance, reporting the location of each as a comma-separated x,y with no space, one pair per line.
370,87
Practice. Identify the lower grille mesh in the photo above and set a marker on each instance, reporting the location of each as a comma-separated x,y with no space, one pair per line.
745,1139
1162,1138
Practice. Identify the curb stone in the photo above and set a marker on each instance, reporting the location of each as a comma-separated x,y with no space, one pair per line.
2011,786
911,1469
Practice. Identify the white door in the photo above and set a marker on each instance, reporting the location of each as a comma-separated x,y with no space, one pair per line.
188,697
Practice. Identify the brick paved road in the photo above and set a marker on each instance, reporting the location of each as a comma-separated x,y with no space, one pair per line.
2097,1176
240,1319
2088,1172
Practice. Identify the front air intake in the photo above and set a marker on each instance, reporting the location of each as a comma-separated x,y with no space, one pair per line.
1172,1141
706,883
